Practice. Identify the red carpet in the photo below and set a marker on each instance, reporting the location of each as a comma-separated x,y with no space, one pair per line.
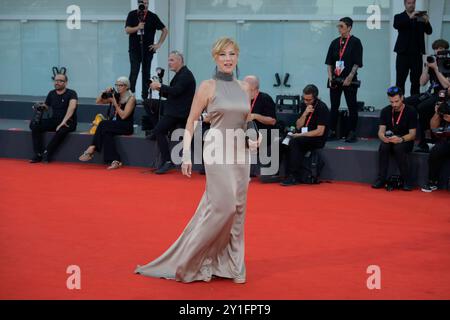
304,242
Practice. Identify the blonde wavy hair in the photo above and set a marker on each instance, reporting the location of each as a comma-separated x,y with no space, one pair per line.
220,45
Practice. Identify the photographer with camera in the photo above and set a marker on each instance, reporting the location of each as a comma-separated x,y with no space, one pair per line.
412,26
179,94
344,58
63,102
124,103
310,134
398,124
141,25
440,124
425,103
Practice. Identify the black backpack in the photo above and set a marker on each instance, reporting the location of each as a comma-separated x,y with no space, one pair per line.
311,168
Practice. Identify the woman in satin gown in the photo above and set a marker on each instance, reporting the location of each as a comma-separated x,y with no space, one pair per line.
212,244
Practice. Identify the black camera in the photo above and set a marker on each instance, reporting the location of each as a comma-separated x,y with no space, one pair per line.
39,110
443,61
443,107
339,82
109,94
394,182
389,134
141,5
159,76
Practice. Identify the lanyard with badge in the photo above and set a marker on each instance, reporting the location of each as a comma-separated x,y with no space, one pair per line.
340,65
141,18
305,128
253,103
395,123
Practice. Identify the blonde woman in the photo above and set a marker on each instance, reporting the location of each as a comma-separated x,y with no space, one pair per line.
122,123
213,242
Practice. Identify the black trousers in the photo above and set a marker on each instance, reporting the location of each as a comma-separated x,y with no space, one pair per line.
412,64
425,109
163,127
350,94
104,137
400,152
135,65
438,156
50,125
298,147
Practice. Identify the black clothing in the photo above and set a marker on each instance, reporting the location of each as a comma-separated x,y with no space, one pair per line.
179,94
60,103
407,121
425,109
152,23
106,130
400,152
410,47
265,106
320,117
439,155
353,55
163,127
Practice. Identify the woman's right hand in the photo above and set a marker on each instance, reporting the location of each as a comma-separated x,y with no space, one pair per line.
186,168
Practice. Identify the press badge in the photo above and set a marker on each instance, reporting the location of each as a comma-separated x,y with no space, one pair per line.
340,66
305,130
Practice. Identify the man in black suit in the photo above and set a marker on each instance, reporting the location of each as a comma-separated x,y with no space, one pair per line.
412,26
179,94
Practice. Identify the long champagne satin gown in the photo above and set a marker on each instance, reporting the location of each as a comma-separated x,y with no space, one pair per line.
212,244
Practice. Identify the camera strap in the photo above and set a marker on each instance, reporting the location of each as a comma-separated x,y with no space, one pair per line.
399,117
254,101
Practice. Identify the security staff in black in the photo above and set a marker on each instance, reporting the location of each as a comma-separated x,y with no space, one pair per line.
344,58
398,124
63,103
410,46
179,94
142,24
312,128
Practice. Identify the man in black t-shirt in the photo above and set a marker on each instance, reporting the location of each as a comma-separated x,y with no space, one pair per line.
425,103
63,103
344,58
440,152
312,129
143,24
398,124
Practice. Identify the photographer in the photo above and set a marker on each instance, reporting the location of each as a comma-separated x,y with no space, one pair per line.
344,58
312,133
63,102
425,103
398,123
141,25
412,26
179,94
441,150
124,103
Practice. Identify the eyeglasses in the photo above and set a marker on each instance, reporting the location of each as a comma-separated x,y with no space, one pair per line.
59,80
119,85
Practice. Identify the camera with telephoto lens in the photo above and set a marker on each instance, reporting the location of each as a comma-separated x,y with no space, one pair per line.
109,94
339,82
442,58
159,76
39,109
141,5
443,107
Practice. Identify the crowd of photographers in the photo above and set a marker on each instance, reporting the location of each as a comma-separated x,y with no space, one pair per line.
423,116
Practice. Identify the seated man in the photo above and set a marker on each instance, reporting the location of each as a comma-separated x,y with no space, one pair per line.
179,94
263,112
397,131
312,128
426,102
441,151
63,103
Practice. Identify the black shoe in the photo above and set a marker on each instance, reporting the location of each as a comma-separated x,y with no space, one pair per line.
379,184
290,181
36,159
332,136
202,171
45,157
430,187
407,187
351,137
166,167
423,147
